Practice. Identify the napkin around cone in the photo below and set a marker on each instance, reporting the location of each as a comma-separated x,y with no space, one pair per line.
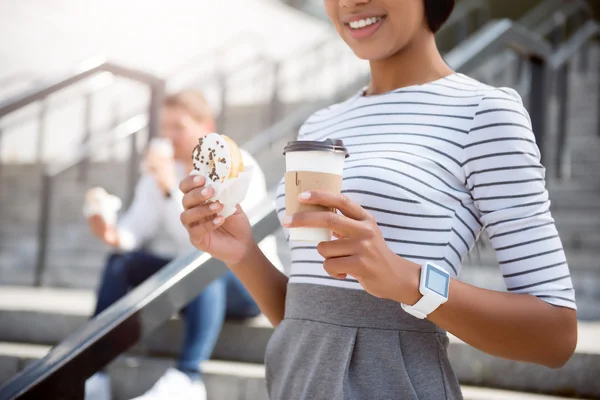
231,192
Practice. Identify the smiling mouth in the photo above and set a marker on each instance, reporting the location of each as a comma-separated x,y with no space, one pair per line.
363,23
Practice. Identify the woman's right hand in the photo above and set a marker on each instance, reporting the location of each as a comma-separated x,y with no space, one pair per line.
228,240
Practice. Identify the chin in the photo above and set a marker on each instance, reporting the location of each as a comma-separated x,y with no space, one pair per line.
372,53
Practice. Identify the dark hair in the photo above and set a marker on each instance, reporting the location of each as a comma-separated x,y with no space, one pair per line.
437,12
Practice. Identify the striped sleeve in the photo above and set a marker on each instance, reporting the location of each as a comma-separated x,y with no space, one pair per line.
507,183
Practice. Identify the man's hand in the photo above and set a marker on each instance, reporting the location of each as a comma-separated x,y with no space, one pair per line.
163,169
107,233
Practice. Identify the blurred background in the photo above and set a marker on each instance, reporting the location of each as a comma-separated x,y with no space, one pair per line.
81,84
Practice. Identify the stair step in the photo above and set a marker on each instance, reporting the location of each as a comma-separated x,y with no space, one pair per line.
60,311
133,375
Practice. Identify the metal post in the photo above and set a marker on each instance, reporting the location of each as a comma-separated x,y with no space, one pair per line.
134,167
557,37
598,104
520,67
114,124
562,149
222,119
1,156
537,101
43,228
87,136
276,71
157,95
584,52
39,150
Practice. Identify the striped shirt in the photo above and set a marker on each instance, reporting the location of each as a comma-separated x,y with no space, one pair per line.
435,164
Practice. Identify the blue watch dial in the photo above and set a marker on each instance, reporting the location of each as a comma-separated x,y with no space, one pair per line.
437,281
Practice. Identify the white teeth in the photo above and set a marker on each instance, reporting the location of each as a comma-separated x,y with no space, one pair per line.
361,23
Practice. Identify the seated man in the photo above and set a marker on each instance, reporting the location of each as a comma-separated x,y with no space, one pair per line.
157,201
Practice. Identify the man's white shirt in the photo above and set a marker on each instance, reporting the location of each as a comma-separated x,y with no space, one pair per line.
151,210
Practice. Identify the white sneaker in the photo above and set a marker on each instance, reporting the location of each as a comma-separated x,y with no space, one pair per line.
97,387
174,384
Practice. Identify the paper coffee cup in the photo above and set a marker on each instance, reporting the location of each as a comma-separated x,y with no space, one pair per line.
99,202
162,146
312,165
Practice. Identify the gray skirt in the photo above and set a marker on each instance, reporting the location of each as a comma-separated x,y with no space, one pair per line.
344,344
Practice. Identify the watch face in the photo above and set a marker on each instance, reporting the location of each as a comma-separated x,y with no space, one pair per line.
437,281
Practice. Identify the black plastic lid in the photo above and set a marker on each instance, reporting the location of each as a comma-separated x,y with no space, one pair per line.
334,145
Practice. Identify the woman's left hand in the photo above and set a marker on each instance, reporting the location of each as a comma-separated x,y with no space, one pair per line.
360,250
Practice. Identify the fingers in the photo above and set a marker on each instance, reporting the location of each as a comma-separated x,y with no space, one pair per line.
336,248
340,267
198,232
191,182
197,197
340,224
200,214
335,200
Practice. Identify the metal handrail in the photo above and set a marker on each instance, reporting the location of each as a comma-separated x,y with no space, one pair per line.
568,9
543,59
544,19
560,62
569,49
460,14
213,53
495,36
86,70
501,34
63,371
539,12
126,130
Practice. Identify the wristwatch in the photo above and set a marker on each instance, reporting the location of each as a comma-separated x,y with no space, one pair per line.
433,286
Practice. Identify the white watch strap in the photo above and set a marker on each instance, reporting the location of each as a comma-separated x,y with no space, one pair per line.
422,308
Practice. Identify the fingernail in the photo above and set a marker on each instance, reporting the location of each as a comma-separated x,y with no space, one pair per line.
304,196
197,180
204,192
217,220
286,220
213,206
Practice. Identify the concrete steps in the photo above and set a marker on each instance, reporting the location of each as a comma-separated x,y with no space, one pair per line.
132,375
240,350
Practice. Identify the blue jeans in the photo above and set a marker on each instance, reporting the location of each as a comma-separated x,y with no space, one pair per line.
203,316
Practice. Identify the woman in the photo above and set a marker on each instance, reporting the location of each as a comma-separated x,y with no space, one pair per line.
435,157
